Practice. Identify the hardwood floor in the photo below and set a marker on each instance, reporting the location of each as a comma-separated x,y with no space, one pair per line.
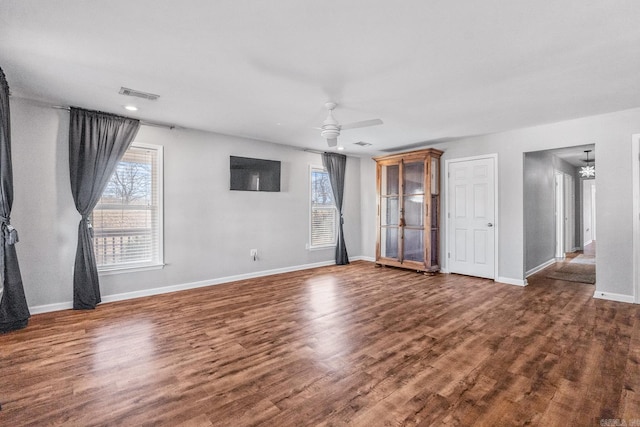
344,345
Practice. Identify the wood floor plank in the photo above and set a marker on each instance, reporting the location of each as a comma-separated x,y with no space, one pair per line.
343,345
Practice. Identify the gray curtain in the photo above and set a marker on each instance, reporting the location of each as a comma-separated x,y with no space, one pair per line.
335,164
14,312
97,142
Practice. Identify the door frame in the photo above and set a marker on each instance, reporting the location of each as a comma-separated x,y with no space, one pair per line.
588,211
570,214
593,212
447,212
635,167
559,213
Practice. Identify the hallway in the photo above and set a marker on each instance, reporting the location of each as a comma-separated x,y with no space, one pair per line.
579,267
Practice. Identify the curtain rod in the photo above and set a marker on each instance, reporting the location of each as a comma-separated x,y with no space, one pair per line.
311,150
142,122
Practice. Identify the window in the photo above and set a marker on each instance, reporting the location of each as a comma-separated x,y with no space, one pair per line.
127,221
324,214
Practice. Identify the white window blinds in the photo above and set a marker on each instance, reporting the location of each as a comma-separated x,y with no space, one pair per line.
323,210
127,221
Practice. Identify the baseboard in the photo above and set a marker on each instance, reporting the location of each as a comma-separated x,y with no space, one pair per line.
510,281
540,267
362,258
46,308
614,297
191,285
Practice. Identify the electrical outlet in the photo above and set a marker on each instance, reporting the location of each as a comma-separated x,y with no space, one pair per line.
254,254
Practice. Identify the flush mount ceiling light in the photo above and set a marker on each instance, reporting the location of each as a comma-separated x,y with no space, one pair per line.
588,171
131,107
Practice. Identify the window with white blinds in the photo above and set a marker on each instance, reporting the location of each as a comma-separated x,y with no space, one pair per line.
324,214
127,221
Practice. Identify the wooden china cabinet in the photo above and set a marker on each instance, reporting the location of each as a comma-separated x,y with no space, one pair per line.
408,226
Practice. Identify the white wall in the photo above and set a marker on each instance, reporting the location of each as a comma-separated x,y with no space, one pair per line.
368,206
43,210
208,229
539,209
612,135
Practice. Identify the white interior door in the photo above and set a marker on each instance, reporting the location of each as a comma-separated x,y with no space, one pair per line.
471,217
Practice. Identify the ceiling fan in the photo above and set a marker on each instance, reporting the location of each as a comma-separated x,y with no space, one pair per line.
331,128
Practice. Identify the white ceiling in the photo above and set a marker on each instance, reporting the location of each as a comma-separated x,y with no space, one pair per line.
432,70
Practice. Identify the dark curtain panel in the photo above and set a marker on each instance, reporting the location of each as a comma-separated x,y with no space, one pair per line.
335,164
14,313
97,142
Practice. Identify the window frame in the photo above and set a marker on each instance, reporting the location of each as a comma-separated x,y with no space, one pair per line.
310,246
159,263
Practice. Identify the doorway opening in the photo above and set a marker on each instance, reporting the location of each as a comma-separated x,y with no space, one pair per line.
559,211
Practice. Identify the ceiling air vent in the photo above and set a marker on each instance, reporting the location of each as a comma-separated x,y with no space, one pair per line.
138,94
362,144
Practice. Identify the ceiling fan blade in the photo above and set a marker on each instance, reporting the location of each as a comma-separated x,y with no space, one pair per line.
362,124
332,142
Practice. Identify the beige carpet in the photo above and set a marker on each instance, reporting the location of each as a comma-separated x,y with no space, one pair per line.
575,272
583,259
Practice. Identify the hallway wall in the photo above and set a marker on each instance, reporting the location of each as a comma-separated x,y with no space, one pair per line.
539,206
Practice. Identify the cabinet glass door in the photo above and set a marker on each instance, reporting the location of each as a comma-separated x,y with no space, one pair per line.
413,211
390,211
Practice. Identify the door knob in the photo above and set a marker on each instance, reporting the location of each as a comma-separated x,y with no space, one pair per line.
490,225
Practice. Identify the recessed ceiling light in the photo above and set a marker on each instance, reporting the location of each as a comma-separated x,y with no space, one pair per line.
131,107
341,148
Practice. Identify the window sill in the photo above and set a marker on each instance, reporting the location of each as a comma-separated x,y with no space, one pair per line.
320,248
131,269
